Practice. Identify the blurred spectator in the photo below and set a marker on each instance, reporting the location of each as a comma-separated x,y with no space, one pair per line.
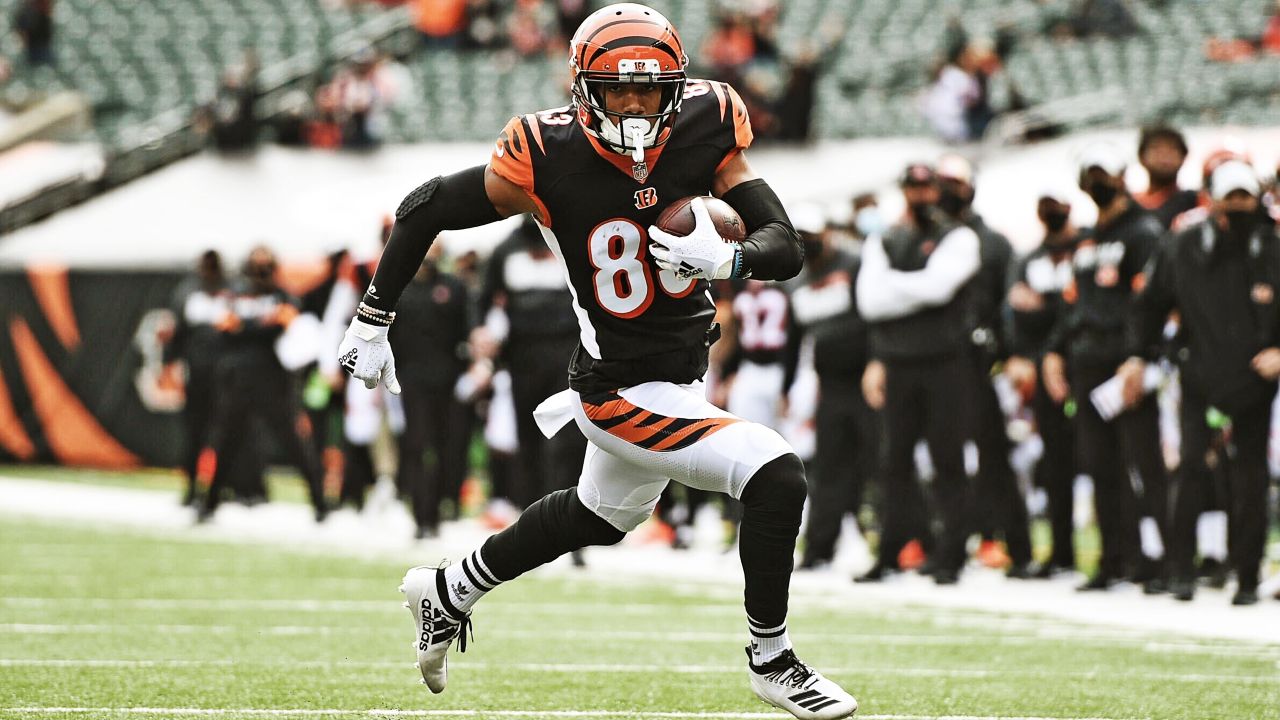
1239,49
233,111
484,27
1271,34
953,95
33,21
569,15
360,101
198,304
1103,17
324,130
730,45
530,27
1162,150
442,23
290,123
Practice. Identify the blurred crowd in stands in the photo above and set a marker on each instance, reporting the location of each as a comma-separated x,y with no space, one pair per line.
944,392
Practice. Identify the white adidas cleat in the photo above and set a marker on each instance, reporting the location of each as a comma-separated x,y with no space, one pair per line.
787,683
436,623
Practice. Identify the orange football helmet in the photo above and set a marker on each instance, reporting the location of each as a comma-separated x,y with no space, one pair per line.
627,43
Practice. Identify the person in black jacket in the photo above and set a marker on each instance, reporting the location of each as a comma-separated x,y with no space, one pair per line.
1035,299
827,323
1162,150
1221,275
253,385
1089,338
997,501
198,304
430,341
915,291
524,280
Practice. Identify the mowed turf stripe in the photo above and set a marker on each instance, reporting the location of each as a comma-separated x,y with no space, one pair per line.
678,638
308,712
620,668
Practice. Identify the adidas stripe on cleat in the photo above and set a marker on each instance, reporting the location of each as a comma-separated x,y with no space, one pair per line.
436,621
789,684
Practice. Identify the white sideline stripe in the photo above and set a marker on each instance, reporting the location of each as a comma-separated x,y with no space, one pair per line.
502,713
654,668
1037,640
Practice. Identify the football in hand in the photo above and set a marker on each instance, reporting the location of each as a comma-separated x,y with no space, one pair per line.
678,218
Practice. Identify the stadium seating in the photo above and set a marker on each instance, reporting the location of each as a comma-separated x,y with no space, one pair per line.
138,59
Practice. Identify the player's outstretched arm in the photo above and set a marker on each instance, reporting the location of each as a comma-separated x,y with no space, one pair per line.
452,202
772,249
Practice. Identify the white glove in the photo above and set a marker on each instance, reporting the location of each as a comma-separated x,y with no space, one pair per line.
366,354
700,254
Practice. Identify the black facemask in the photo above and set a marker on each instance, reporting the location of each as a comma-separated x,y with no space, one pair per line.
922,213
952,203
1162,180
1054,220
1241,224
1103,194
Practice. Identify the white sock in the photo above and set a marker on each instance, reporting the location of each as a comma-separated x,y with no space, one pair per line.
468,581
767,643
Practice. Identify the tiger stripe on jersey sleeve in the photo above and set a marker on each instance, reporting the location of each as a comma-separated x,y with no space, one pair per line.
512,159
737,109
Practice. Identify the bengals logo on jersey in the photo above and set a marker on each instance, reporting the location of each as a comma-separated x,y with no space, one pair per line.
646,198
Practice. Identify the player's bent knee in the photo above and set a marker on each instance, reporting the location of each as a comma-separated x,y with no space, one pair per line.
593,529
779,483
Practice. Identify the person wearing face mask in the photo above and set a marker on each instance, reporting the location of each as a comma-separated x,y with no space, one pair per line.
254,386
1087,346
432,344
1034,300
1161,151
830,331
916,290
1221,275
997,502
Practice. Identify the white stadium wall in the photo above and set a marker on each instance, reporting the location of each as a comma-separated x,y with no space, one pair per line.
306,203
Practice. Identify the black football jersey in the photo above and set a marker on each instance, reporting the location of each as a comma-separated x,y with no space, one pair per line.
598,206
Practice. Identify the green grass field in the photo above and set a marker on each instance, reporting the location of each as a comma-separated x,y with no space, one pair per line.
117,624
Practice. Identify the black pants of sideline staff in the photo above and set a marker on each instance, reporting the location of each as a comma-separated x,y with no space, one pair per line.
247,392
430,433
931,399
1056,474
997,501
842,461
1247,476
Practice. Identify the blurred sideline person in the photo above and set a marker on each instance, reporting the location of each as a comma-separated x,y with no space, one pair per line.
1221,276
254,386
198,304
1035,299
431,342
995,501
365,408
916,292
523,281
1088,346
1162,150
645,320
826,321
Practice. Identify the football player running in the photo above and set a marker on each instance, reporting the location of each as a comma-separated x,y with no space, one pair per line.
596,175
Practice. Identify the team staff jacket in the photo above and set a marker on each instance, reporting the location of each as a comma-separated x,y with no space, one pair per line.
525,279
1225,292
429,339
992,285
916,315
1048,272
825,309
1107,271
636,322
